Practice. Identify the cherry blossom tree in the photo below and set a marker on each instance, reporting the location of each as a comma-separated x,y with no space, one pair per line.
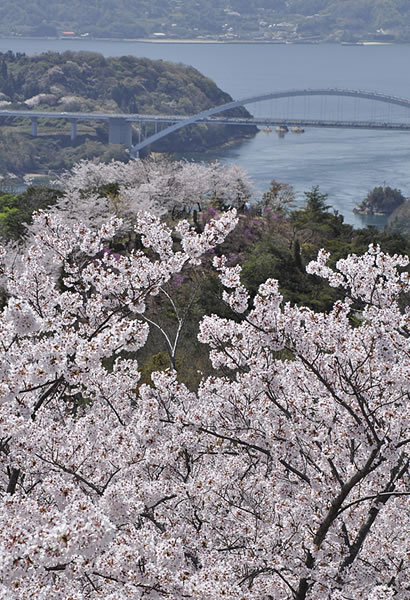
284,476
156,185
69,422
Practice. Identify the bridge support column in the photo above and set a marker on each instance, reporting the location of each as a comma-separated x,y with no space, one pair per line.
119,132
73,130
34,125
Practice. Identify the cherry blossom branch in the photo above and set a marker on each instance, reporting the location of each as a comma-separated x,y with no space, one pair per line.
383,497
50,392
235,441
295,471
13,479
372,497
76,475
332,514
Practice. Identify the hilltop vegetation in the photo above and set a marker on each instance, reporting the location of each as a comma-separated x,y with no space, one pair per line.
86,81
399,220
331,20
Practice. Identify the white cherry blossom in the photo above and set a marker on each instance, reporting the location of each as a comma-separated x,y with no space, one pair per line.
283,477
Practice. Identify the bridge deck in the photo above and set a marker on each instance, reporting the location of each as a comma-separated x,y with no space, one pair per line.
120,123
166,119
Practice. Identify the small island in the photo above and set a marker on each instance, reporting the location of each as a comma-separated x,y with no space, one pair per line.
380,201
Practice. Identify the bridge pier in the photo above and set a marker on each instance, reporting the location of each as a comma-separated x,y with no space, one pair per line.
73,135
120,132
34,126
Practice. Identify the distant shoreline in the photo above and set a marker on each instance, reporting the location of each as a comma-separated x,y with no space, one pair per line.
267,42
201,41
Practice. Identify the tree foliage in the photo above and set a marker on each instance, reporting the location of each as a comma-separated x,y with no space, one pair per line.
283,475
16,210
399,220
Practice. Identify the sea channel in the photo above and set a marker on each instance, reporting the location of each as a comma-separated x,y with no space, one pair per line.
346,164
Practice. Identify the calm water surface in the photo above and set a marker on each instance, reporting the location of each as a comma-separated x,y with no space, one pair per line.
345,163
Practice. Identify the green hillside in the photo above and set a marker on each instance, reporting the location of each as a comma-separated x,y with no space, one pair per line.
88,82
280,20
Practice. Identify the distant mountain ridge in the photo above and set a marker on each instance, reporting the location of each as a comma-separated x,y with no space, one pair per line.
265,20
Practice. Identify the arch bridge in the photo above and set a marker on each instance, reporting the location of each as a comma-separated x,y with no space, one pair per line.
120,124
207,116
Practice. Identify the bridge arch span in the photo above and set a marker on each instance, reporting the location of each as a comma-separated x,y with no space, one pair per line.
364,94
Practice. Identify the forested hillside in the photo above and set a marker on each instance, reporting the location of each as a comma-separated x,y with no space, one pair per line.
86,81
278,20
